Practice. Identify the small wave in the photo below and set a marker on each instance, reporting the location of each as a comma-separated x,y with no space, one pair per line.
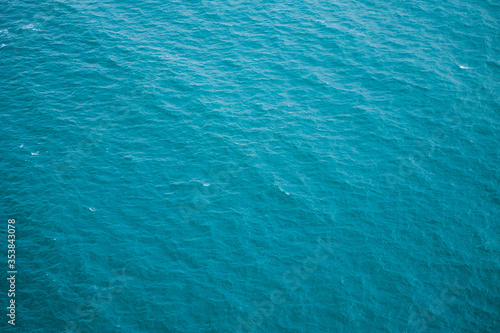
35,154
4,32
30,27
464,67
92,209
282,190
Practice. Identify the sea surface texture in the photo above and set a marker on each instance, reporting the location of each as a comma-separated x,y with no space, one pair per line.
251,166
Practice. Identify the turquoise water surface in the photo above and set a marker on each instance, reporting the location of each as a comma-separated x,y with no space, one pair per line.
251,166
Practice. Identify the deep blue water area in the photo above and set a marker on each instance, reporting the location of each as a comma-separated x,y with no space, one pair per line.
251,166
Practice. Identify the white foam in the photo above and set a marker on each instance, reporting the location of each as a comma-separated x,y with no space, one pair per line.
92,209
282,190
30,27
35,154
464,67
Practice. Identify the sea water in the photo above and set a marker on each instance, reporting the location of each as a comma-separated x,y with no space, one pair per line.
251,166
